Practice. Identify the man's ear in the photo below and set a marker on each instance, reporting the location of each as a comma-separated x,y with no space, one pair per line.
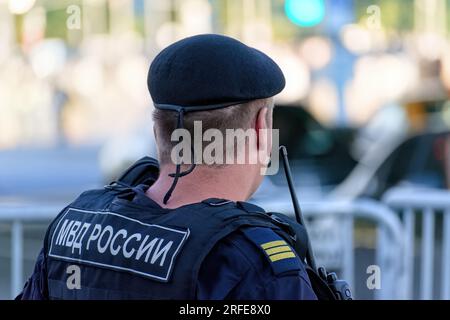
261,124
155,133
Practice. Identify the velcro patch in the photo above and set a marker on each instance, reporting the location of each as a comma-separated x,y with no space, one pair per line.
280,254
117,242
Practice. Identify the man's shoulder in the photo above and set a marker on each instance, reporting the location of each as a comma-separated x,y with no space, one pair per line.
262,249
273,249
253,263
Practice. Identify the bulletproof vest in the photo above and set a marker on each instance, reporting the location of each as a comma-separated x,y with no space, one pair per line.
122,245
122,248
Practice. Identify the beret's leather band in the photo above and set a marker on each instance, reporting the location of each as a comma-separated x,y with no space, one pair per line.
177,108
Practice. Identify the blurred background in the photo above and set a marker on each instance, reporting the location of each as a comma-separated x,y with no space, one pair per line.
365,116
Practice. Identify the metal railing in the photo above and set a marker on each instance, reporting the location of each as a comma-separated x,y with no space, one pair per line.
390,230
431,204
390,240
17,216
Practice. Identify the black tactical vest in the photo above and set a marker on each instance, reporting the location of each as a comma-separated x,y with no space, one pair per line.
126,249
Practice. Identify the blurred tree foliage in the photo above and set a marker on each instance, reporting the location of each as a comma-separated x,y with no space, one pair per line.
396,16
56,24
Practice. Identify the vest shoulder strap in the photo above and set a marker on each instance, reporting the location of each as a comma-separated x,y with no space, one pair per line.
279,253
143,171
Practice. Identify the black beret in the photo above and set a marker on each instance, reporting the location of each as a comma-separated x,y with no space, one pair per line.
211,71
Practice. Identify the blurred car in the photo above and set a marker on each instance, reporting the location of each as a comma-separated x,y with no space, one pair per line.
119,153
409,148
361,162
320,157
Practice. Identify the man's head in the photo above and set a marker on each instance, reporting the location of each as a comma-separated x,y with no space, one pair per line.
242,116
219,84
244,130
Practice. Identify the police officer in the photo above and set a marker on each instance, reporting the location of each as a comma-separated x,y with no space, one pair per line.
186,232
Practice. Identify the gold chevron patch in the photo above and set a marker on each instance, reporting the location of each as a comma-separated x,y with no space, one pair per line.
278,250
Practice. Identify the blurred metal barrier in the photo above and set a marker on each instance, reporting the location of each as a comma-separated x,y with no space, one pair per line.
390,245
433,205
17,216
390,237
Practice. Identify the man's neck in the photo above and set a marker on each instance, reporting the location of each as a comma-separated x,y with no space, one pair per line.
203,183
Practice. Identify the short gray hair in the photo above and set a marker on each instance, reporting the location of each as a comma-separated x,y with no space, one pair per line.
240,116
